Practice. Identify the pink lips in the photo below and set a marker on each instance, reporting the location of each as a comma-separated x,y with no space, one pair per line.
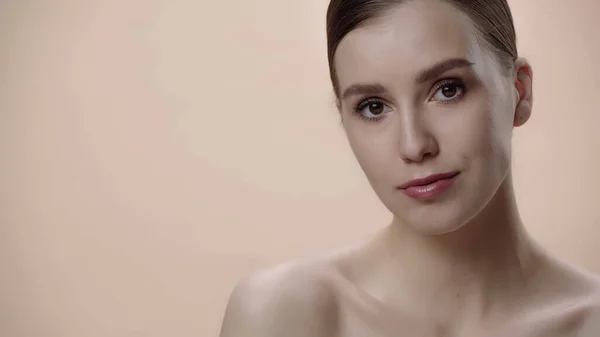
429,187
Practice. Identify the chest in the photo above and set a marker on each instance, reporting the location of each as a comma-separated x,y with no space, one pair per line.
371,321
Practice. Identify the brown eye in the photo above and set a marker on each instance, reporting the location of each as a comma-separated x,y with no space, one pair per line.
449,90
376,108
372,109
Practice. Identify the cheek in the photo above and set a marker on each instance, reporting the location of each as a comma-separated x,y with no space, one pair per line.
372,149
466,133
482,138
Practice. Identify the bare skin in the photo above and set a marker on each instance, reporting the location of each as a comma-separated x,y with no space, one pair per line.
457,264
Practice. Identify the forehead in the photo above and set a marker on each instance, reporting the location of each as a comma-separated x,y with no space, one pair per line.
406,39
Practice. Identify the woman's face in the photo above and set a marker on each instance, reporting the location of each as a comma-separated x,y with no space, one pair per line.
421,96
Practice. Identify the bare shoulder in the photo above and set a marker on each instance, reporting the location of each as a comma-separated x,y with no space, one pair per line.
580,309
567,303
291,299
590,326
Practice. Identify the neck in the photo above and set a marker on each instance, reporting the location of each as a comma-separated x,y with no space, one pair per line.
479,270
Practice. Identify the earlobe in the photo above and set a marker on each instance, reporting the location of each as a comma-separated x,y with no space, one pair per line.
523,91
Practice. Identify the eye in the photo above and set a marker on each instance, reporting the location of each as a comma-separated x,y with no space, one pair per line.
448,91
371,109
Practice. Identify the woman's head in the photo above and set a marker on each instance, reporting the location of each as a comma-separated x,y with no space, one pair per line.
427,87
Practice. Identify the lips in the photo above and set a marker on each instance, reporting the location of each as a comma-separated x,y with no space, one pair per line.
428,180
429,187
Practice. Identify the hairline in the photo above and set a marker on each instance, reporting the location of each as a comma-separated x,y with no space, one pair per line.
475,28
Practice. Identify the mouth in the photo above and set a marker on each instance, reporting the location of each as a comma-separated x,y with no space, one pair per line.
430,186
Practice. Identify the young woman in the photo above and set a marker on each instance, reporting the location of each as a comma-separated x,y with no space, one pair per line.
429,92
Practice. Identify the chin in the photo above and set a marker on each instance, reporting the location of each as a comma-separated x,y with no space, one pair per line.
434,225
439,218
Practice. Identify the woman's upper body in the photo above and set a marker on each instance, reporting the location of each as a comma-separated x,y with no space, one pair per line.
429,92
396,285
365,292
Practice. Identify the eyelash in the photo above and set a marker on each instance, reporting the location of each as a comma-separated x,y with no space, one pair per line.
450,81
363,104
454,82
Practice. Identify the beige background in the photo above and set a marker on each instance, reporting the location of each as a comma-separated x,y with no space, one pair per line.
153,152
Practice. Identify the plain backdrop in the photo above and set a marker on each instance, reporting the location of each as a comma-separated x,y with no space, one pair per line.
153,152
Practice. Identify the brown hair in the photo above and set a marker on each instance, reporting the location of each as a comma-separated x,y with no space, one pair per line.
492,18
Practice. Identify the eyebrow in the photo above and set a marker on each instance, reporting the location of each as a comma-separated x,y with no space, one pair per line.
363,89
442,67
424,76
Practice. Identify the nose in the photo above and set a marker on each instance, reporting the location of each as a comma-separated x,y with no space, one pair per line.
416,143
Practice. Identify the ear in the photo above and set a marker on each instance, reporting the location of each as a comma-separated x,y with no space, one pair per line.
523,80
